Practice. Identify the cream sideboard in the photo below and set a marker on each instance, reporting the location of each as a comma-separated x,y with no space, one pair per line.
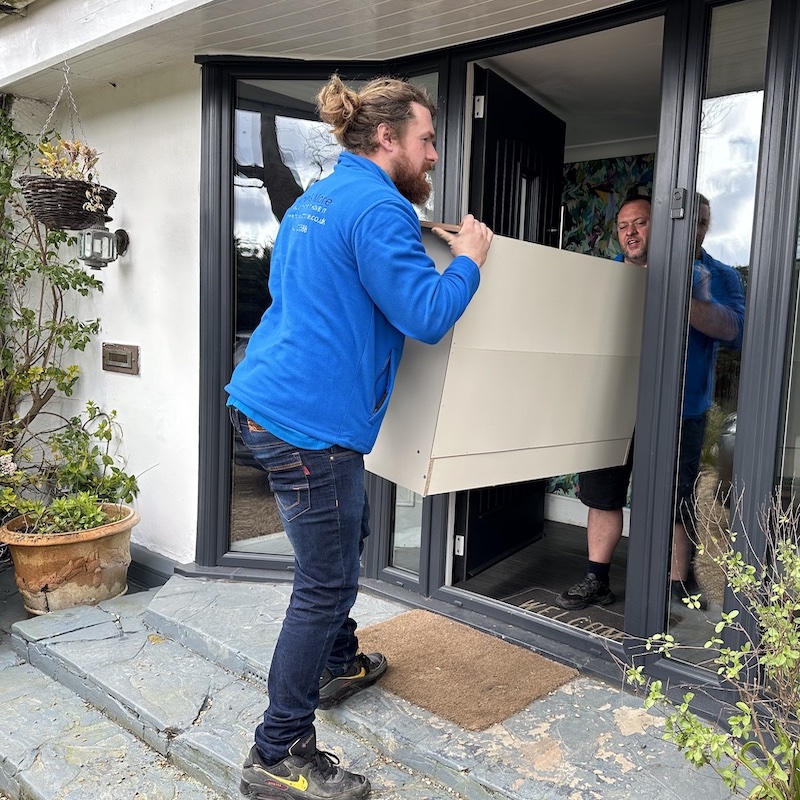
538,377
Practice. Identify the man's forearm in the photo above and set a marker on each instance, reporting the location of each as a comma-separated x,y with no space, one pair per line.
714,320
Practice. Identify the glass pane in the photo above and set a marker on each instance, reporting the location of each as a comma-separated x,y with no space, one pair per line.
789,461
407,533
730,130
280,150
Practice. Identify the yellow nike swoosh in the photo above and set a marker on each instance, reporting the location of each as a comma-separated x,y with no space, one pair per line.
301,783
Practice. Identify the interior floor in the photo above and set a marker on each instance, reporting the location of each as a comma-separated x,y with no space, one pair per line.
532,578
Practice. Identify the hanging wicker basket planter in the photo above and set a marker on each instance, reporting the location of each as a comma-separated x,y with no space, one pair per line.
59,202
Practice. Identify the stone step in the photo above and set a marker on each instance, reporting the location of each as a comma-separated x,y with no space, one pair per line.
195,713
54,745
184,668
586,740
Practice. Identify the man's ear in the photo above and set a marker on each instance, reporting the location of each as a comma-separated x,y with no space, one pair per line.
386,137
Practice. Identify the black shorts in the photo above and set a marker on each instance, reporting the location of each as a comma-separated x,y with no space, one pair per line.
607,489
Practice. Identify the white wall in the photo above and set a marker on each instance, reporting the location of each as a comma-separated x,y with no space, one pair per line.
148,131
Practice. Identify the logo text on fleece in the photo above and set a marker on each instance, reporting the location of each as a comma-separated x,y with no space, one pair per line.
310,208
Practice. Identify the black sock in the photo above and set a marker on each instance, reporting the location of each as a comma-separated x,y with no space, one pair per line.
600,571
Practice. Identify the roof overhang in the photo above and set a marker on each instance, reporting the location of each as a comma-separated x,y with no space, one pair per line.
110,41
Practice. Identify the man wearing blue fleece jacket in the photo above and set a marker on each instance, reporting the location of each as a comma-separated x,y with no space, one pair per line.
716,317
349,280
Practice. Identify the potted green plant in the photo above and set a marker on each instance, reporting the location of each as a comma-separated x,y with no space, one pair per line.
46,461
69,531
755,743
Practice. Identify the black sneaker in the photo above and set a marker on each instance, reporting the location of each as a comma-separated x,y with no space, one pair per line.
363,672
690,590
586,592
305,774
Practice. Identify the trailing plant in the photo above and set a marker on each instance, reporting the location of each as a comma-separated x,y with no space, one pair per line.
37,334
72,160
757,750
67,158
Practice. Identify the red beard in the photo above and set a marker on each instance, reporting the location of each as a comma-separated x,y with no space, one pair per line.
411,184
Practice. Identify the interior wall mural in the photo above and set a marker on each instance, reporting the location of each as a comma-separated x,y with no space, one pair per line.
593,193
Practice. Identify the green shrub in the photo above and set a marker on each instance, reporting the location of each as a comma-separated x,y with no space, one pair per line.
757,750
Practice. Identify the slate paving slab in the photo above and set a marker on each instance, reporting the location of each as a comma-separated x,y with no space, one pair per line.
234,624
185,667
11,610
53,745
586,740
197,713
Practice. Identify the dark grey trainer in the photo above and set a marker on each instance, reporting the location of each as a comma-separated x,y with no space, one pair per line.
586,592
363,672
305,774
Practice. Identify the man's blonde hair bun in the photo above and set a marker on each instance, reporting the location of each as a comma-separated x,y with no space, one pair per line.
354,115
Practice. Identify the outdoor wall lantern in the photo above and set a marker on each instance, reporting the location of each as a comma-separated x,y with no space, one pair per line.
98,247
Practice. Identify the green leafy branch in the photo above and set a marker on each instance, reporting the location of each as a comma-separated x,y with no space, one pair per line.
756,749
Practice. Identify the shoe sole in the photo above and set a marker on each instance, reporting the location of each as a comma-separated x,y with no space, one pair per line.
257,793
349,689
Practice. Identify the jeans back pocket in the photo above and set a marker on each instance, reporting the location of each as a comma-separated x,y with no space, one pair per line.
289,484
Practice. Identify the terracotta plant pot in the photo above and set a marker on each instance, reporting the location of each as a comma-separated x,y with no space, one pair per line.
62,570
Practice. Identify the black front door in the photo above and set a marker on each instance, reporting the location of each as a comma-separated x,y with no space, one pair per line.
517,162
515,188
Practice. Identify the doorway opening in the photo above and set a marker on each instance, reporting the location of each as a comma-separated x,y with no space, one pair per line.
562,134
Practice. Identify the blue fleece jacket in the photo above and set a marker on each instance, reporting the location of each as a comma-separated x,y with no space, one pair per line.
725,288
349,280
701,350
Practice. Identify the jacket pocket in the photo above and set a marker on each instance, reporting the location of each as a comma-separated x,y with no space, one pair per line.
384,383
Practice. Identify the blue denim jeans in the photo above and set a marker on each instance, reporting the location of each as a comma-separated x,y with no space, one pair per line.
322,501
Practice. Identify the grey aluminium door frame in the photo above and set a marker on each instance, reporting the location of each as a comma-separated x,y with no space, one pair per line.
768,314
217,293
523,622
768,322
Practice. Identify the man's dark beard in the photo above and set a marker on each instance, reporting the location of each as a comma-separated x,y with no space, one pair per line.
412,185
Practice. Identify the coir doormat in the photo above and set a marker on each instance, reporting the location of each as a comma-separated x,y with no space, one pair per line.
456,672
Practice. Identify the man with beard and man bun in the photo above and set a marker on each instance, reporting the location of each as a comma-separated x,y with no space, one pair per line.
350,280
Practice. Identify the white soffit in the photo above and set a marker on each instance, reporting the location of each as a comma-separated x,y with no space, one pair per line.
604,85
109,40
